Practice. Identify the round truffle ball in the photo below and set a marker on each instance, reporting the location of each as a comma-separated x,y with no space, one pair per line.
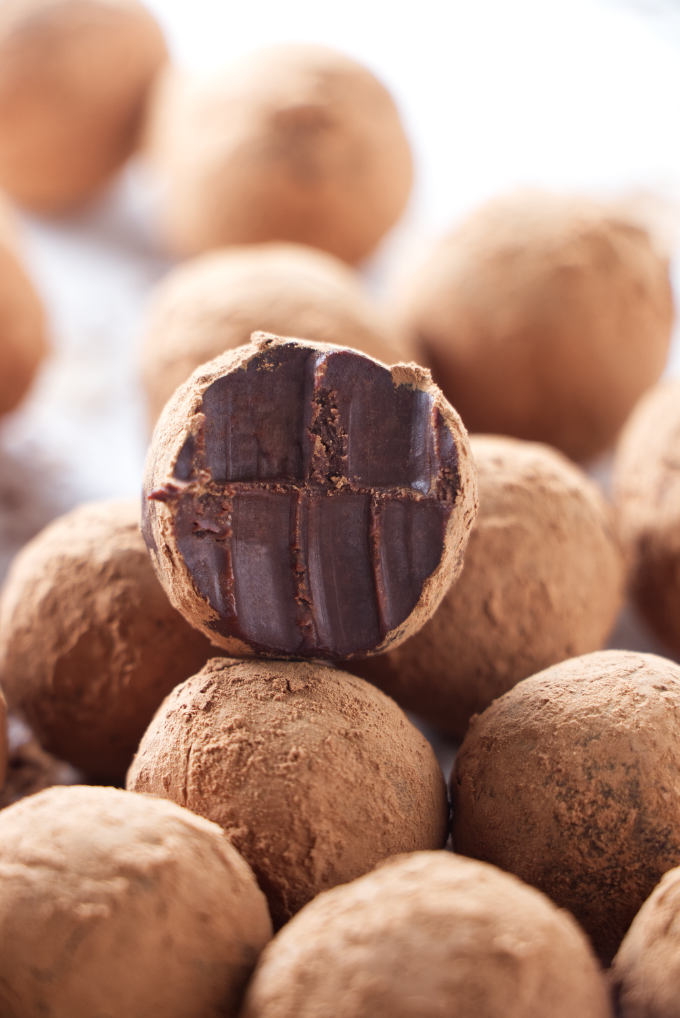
544,317
646,970
542,581
74,78
23,341
427,935
116,904
215,302
294,142
647,493
572,781
89,643
315,775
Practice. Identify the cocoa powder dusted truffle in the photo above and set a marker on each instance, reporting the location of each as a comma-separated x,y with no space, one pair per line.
293,142
544,317
89,643
215,302
542,581
116,904
572,781
647,492
646,970
304,500
427,935
314,775
74,77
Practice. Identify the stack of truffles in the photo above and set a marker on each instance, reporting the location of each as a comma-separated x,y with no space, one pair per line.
322,546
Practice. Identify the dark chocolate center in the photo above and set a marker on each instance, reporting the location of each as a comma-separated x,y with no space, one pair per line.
311,503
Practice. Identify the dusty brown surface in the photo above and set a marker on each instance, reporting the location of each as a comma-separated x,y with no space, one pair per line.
647,492
294,142
571,781
89,644
542,581
428,935
214,303
118,904
544,317
315,775
74,78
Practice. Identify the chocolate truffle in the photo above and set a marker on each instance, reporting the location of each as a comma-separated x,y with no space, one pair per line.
115,904
646,970
23,341
542,581
647,492
305,500
427,935
544,317
215,302
3,738
89,643
315,775
572,781
294,142
29,768
74,77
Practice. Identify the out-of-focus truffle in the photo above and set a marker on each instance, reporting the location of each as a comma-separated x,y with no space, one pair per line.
214,303
89,643
542,581
116,904
572,781
304,500
29,768
3,738
427,935
647,492
23,341
294,142
74,78
315,775
646,970
544,317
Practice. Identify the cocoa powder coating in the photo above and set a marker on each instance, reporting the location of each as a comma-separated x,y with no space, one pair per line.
293,142
426,935
116,904
214,303
544,317
646,970
304,500
89,643
542,581
74,78
314,775
647,493
571,780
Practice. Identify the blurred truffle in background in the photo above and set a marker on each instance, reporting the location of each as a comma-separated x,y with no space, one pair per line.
542,581
214,303
544,316
23,342
294,142
74,79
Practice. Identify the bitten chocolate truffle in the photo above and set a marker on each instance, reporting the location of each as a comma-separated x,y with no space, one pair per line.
215,302
572,781
89,643
544,317
542,581
294,142
302,499
74,77
23,342
646,971
647,492
426,935
116,904
314,775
